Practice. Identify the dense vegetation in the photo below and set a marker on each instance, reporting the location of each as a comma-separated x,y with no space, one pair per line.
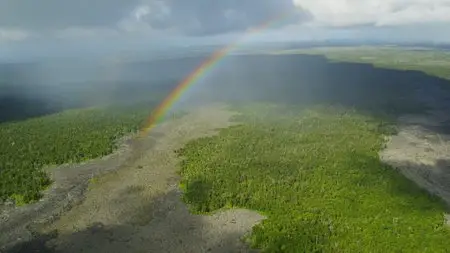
317,176
70,136
76,135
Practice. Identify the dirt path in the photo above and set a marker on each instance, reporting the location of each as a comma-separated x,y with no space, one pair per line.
137,207
421,149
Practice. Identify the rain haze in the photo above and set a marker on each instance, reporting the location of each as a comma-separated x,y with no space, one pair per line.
78,78
72,45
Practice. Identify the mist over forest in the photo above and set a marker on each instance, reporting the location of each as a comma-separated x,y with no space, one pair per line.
34,89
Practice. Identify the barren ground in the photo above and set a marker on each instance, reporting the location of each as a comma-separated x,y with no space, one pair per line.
421,149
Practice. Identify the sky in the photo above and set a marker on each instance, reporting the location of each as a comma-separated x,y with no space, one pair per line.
45,26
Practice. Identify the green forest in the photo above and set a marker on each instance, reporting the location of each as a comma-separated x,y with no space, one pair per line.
71,136
75,135
316,175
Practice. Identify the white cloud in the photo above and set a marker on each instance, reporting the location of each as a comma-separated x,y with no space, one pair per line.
376,12
9,35
141,11
143,18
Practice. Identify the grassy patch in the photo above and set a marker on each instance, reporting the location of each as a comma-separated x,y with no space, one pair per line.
316,174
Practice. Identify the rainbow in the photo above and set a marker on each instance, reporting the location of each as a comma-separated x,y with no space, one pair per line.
200,71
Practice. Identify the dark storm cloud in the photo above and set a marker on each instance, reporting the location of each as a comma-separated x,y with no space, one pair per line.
55,14
203,17
192,17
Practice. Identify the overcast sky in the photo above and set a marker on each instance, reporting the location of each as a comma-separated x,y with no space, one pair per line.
29,23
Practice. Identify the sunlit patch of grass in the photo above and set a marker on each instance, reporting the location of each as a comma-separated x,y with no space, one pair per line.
317,176
19,200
